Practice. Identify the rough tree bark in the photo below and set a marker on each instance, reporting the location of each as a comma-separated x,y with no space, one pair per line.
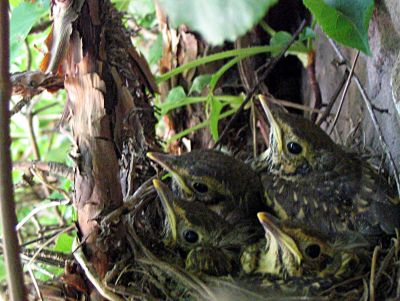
109,114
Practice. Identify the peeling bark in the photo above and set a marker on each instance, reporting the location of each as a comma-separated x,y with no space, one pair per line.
112,122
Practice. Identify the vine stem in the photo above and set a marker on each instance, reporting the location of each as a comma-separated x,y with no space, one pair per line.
215,78
243,53
7,207
199,126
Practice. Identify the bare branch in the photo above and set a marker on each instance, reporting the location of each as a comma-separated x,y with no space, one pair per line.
7,213
53,168
30,83
346,88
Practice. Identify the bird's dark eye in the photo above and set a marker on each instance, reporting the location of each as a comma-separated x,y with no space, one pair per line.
191,236
313,251
200,187
294,148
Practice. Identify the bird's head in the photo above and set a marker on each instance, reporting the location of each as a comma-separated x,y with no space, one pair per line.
297,146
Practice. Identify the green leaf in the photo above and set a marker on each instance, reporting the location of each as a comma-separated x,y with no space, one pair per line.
175,98
344,21
216,107
23,17
64,243
298,48
217,20
282,38
199,83
175,95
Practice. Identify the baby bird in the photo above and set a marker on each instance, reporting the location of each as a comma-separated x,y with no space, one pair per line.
209,242
311,179
224,184
290,250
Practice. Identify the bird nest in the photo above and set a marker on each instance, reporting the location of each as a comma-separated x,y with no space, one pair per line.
152,271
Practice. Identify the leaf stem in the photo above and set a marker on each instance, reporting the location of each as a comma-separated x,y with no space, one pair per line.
196,99
199,126
268,29
244,52
215,78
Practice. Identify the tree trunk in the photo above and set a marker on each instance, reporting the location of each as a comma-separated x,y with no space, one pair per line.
108,87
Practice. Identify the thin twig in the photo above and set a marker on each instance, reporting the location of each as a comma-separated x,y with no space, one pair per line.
371,112
293,105
30,83
14,274
20,104
267,71
343,283
32,136
372,275
50,186
44,237
314,83
384,264
332,101
130,202
38,209
37,267
45,244
35,284
254,129
44,108
53,168
346,88
48,257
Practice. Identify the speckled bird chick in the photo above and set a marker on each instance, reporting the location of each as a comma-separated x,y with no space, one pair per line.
310,178
293,250
212,245
224,184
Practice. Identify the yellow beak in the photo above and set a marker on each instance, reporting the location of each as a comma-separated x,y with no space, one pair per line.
285,241
275,128
166,198
167,162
